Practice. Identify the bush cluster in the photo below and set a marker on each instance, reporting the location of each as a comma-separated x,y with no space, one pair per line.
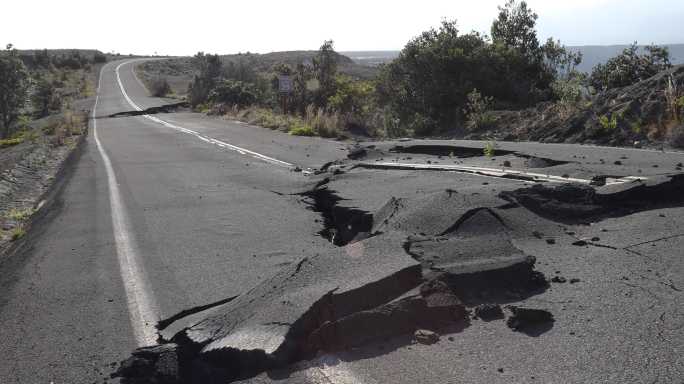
159,87
630,67
427,86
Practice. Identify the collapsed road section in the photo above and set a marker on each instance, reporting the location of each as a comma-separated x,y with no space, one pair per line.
372,288
422,265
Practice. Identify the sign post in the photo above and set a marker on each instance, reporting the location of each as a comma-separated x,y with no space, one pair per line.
284,88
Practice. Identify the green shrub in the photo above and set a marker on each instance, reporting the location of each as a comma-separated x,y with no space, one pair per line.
489,149
11,142
302,130
234,92
19,214
477,111
608,124
17,233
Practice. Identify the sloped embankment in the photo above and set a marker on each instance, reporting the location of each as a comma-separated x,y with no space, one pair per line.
622,116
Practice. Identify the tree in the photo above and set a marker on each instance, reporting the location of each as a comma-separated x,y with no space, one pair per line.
42,58
44,98
427,86
209,70
241,69
325,70
14,81
559,61
515,28
300,93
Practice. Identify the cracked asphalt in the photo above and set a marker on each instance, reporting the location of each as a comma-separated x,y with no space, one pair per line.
211,224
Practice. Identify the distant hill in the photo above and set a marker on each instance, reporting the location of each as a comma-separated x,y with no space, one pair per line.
371,58
593,55
265,62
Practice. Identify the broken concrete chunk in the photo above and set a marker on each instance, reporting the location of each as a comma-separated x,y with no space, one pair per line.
578,203
272,324
434,214
152,365
426,337
532,322
431,306
462,248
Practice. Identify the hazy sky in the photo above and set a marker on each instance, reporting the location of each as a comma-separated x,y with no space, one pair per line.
184,27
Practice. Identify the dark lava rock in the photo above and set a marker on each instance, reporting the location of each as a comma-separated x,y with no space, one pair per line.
580,243
489,312
356,153
532,322
574,281
559,279
618,162
550,241
426,337
507,164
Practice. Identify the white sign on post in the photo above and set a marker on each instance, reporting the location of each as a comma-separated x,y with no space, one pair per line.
284,84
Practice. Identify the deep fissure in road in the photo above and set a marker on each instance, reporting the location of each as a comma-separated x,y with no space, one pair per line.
166,108
341,225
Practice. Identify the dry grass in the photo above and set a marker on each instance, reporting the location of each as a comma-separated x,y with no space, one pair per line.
324,124
69,124
315,122
19,214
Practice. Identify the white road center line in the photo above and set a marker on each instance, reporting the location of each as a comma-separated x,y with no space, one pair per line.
493,172
142,308
206,139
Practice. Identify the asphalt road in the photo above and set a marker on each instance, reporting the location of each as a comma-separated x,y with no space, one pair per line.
167,212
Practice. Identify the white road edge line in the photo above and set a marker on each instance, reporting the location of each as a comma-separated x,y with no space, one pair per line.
142,307
206,139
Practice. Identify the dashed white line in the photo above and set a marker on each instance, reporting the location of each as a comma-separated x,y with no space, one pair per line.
142,308
205,138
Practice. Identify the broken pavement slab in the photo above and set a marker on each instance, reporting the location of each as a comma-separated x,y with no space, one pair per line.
577,204
270,325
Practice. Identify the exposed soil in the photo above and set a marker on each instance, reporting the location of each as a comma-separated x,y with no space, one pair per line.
28,171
